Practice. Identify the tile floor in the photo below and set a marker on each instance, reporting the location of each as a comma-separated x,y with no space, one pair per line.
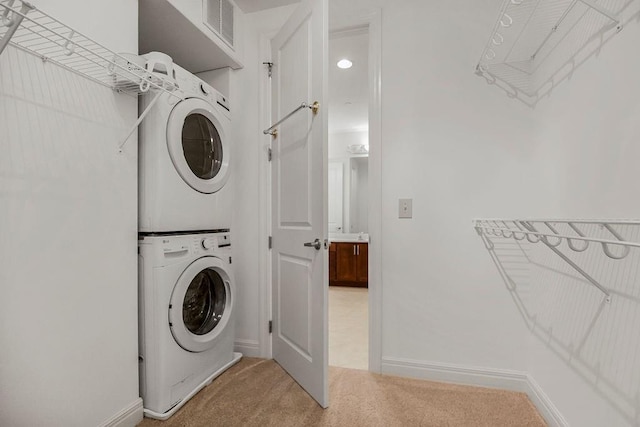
348,327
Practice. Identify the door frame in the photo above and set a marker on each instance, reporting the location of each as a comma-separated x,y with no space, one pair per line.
374,24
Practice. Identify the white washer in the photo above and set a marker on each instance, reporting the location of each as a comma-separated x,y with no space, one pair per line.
184,162
186,303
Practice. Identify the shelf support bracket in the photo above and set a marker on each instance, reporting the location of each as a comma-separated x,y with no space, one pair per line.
591,280
140,119
13,23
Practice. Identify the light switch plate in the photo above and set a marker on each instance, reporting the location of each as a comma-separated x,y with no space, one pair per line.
405,208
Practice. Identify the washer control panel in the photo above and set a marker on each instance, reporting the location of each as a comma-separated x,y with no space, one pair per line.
212,242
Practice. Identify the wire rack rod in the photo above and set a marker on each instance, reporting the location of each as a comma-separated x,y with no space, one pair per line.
521,229
506,230
567,221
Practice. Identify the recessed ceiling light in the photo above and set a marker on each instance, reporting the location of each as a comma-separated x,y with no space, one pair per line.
344,64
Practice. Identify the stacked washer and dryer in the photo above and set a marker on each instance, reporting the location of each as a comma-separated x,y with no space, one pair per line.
186,288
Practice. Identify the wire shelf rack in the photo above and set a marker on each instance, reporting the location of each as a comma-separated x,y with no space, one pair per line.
27,28
552,232
537,43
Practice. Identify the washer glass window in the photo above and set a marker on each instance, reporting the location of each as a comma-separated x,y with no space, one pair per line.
204,302
202,146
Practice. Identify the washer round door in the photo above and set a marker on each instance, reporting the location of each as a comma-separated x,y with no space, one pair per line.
201,304
198,145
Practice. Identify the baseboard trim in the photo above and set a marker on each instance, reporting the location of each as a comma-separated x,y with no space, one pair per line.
547,409
481,377
130,416
248,348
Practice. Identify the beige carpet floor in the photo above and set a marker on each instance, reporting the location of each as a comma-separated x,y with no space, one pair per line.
258,392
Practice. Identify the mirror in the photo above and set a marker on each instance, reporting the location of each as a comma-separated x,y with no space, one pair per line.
348,178
348,195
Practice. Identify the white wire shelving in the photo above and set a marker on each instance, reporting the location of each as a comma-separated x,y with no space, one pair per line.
552,232
29,29
537,43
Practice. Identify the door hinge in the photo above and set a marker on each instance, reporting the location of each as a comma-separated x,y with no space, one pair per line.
270,326
230,262
269,154
270,67
270,242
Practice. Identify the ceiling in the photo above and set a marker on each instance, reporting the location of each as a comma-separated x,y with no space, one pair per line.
348,89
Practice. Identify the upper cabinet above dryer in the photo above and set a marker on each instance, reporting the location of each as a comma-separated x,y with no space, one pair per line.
199,35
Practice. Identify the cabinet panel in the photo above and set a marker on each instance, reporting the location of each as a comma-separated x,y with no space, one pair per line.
332,262
346,262
362,262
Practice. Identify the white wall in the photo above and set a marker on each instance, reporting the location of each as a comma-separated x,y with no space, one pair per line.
585,354
339,142
68,226
461,150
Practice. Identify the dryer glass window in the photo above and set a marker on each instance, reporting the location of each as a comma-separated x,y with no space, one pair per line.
204,302
202,146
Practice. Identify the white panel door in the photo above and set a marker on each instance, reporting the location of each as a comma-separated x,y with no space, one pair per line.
335,197
299,177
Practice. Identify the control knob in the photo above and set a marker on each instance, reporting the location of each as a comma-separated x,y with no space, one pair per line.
208,243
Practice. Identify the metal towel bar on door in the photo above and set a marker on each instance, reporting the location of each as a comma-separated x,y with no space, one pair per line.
313,107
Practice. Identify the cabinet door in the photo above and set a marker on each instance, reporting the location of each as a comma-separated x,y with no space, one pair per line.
332,262
362,264
346,269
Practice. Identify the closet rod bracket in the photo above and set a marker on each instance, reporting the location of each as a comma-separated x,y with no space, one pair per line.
140,119
529,226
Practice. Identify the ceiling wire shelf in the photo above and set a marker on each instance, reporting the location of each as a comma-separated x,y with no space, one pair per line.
537,43
552,232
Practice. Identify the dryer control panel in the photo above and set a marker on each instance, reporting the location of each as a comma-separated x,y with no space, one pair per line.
201,89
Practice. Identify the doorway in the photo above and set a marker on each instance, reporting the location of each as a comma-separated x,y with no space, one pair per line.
371,23
348,189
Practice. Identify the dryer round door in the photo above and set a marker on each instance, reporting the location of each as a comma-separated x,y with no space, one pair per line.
201,304
198,145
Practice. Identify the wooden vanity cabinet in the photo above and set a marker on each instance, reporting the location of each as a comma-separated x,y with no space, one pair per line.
332,262
349,264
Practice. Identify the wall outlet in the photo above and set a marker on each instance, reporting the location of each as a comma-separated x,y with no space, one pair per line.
405,208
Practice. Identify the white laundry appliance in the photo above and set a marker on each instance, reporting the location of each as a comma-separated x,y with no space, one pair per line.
186,327
184,163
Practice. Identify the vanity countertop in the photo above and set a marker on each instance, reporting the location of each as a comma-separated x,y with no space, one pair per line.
349,237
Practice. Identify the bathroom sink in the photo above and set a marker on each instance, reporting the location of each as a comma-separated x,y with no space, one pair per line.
349,237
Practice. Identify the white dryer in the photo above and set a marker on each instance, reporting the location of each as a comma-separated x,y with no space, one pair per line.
186,326
185,156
